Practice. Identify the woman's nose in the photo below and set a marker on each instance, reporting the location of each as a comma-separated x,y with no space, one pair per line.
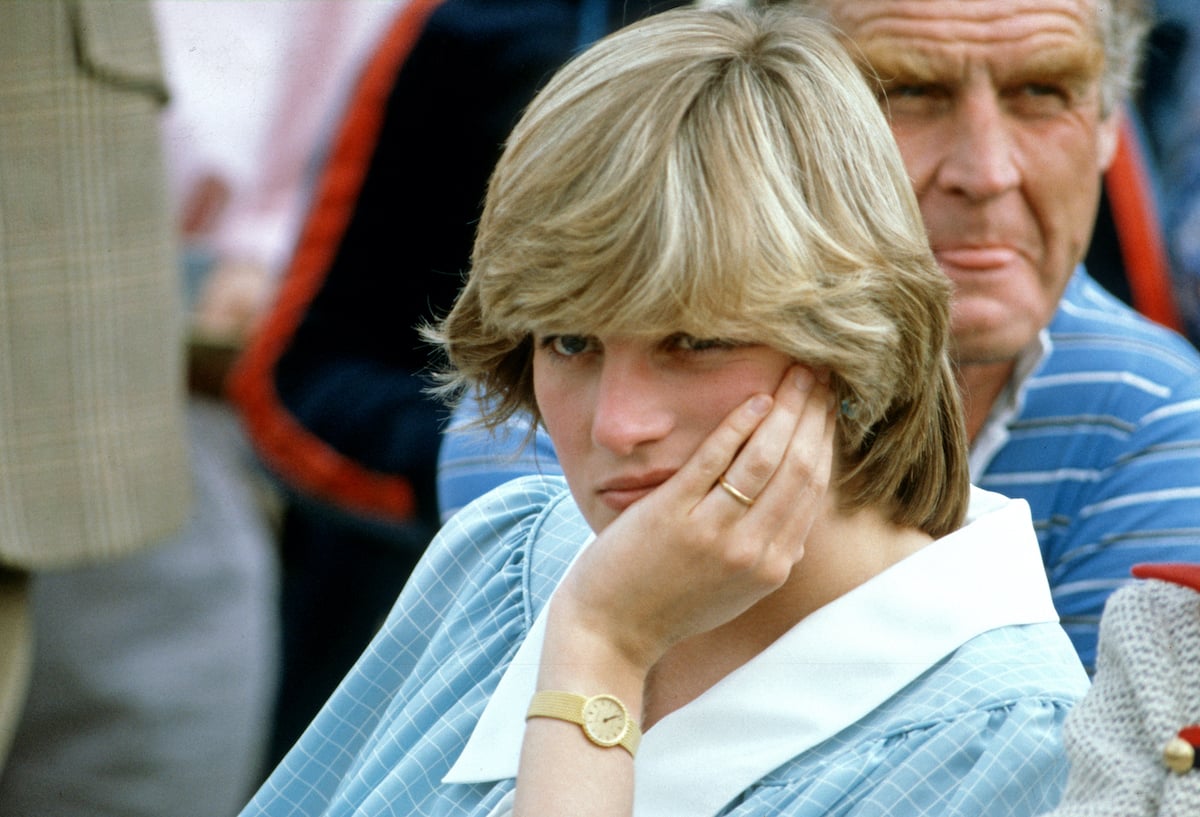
633,406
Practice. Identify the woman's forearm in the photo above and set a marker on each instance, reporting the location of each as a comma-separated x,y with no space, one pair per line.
562,771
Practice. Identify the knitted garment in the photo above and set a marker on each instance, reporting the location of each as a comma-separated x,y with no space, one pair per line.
1147,687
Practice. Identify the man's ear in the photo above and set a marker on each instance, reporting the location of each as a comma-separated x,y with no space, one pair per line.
1108,132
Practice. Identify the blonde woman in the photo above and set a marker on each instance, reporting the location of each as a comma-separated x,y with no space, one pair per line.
764,586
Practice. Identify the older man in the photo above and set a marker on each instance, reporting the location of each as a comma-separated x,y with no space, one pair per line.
1007,116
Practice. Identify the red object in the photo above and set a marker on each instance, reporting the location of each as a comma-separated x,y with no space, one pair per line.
1139,230
282,442
1185,574
1191,734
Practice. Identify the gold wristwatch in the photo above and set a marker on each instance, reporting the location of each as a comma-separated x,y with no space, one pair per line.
604,719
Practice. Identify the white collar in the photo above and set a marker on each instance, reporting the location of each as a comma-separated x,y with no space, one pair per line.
994,433
810,684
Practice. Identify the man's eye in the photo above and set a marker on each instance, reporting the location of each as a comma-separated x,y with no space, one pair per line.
1034,89
908,91
1036,99
567,345
915,99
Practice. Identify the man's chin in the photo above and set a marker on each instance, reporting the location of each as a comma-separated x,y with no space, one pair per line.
989,345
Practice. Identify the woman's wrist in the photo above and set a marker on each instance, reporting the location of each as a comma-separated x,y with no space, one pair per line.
578,657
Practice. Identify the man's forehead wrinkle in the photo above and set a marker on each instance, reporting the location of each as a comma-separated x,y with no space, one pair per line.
858,12
939,22
1045,42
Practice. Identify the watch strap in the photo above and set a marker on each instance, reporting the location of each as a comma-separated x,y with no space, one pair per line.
570,706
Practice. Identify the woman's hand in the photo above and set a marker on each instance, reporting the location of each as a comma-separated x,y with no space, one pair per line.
692,556
685,559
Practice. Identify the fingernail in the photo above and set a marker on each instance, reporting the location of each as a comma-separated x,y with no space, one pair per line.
804,379
760,404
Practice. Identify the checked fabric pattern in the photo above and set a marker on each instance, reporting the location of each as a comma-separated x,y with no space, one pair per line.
977,734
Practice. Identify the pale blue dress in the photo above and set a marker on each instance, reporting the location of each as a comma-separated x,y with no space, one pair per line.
937,688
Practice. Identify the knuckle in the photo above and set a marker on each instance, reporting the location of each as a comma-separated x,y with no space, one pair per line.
741,558
710,459
776,569
819,482
804,472
761,564
759,469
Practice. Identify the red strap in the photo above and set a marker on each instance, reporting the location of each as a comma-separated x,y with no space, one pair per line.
1139,234
286,446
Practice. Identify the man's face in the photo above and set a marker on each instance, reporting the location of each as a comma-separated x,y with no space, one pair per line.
996,107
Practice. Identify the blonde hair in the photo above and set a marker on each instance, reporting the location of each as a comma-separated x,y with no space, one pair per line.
727,174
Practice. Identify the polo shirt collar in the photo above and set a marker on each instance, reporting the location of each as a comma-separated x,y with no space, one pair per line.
994,434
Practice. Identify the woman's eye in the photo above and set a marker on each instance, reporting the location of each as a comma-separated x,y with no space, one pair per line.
691,343
567,345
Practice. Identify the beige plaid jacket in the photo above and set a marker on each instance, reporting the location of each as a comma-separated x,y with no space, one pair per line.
92,440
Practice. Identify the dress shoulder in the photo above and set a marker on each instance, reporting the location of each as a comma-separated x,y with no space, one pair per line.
403,713
979,734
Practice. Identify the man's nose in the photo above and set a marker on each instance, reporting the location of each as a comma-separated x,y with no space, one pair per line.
980,160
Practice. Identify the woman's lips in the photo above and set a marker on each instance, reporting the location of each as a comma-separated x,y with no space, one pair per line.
620,499
622,492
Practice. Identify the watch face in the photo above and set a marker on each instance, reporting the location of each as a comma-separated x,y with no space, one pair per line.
605,720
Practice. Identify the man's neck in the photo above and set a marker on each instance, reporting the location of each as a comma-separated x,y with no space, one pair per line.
980,385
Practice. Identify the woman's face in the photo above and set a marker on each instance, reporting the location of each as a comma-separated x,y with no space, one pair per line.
626,413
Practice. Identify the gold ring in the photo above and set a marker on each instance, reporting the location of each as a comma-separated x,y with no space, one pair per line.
734,492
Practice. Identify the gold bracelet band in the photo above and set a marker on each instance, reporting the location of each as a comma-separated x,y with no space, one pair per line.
604,719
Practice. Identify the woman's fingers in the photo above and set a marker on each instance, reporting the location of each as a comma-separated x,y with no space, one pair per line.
798,410
787,464
798,449
792,500
698,475
743,456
